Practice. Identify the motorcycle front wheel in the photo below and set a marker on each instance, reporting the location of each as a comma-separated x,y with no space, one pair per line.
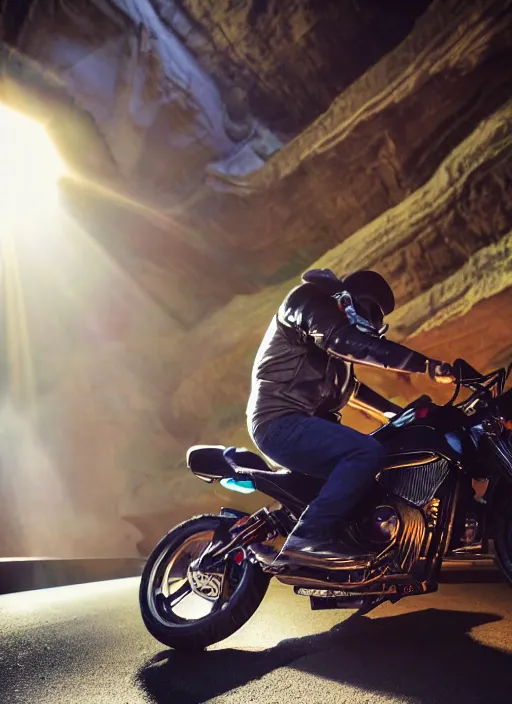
187,611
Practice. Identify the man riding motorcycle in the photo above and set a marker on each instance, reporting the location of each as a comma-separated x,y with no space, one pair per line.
303,376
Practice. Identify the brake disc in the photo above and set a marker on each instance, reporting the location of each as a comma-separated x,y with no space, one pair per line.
207,585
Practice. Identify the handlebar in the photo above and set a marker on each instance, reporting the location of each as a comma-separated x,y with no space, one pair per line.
466,376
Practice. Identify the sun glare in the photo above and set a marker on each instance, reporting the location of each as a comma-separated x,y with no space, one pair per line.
30,168
69,314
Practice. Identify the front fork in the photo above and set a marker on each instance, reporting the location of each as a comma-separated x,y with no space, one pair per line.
232,538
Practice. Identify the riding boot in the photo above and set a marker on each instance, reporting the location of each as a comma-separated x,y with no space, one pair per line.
310,545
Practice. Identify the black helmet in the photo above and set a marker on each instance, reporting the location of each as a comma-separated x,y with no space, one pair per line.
370,290
370,287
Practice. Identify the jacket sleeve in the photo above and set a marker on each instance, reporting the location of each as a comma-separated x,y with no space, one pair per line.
317,316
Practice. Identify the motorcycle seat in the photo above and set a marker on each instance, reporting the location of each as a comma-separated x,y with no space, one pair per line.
247,462
218,461
214,462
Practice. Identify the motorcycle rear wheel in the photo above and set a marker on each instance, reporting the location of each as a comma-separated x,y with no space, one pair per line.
178,616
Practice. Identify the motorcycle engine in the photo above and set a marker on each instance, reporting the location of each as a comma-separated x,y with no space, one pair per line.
381,526
392,521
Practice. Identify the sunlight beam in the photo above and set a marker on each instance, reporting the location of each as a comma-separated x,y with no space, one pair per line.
30,169
30,166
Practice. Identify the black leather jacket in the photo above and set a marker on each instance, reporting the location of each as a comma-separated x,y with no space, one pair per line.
305,361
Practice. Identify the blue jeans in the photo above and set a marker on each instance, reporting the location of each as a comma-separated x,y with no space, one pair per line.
346,458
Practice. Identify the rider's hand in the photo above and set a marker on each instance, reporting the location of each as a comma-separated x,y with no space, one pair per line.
441,372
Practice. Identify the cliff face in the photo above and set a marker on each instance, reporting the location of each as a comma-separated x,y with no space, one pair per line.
227,147
290,65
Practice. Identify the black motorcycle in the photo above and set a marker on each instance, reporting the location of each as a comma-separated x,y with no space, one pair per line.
207,577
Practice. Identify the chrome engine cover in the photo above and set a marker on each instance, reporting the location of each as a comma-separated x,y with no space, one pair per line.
385,522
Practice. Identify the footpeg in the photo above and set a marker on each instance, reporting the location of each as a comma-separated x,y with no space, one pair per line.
287,563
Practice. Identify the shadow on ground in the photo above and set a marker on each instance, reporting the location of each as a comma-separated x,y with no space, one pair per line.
428,655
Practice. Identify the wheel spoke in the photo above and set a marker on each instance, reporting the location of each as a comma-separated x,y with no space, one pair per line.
217,605
176,597
173,582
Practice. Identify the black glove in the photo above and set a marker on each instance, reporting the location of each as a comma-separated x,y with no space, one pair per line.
441,372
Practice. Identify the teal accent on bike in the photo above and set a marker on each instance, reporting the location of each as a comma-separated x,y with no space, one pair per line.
243,487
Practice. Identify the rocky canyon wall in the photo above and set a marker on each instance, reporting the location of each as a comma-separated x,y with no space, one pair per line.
217,150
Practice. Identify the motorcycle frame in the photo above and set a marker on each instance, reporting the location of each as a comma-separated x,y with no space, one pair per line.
303,489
